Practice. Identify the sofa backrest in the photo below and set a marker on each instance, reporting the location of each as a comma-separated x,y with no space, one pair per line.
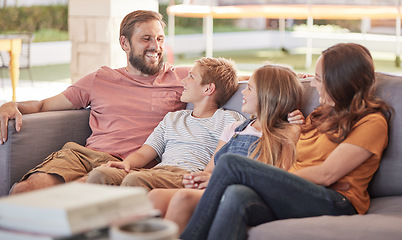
388,179
235,102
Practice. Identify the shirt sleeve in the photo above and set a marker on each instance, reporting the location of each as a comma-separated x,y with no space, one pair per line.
157,138
370,133
79,93
229,131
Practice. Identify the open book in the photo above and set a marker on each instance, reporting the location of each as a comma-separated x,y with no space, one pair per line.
73,208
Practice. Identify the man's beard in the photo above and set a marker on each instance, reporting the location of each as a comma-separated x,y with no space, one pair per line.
138,62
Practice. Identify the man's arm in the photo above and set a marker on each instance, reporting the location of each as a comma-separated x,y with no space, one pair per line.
14,110
137,159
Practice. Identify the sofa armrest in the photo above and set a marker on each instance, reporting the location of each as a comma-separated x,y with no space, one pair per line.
40,135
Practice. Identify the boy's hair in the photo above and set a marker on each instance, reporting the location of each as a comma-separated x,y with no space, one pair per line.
128,23
222,73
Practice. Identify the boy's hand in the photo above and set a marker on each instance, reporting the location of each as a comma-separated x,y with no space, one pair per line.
122,165
196,180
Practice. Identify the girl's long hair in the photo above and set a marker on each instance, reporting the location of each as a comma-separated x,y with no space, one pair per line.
279,93
348,79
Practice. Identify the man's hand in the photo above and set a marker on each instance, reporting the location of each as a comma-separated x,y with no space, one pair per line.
9,111
197,180
14,110
122,165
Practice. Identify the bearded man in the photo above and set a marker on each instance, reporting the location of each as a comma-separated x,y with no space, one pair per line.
126,105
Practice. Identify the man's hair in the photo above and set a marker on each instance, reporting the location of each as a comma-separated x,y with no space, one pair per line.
222,73
129,22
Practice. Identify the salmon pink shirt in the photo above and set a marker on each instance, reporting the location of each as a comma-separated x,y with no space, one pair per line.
125,108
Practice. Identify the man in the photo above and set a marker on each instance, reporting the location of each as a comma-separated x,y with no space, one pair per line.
126,105
184,140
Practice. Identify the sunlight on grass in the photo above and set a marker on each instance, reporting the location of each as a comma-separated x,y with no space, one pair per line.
249,60
48,35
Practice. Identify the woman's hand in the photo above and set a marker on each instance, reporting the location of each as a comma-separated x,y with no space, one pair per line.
304,75
296,117
196,180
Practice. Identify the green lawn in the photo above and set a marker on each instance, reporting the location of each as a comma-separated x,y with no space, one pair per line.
248,60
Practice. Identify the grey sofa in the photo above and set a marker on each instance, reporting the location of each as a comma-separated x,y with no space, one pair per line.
43,133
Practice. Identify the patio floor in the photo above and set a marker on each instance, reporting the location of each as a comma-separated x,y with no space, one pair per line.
31,91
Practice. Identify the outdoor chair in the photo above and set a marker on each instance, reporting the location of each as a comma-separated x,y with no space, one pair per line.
25,56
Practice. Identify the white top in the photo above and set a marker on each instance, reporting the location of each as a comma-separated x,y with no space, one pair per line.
188,142
229,131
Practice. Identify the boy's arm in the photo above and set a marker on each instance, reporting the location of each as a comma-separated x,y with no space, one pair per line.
137,159
199,180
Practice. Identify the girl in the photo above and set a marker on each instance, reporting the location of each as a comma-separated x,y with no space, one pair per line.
272,93
342,143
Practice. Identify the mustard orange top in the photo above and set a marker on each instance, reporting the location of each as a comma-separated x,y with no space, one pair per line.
370,133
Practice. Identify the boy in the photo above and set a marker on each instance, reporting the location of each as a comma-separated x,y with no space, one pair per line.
184,140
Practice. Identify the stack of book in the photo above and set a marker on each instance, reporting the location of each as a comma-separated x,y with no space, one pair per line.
70,209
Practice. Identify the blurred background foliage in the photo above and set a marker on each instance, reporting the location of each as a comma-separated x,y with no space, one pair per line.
49,23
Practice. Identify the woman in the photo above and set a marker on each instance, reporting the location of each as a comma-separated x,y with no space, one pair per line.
341,144
271,94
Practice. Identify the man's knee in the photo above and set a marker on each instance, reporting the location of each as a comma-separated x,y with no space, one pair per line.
137,179
106,175
36,181
98,176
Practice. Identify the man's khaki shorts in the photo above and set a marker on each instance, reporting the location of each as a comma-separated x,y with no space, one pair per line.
156,177
73,161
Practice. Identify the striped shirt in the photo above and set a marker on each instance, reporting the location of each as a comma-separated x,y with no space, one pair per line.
187,142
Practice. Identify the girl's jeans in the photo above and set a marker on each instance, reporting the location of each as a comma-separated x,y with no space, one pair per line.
269,194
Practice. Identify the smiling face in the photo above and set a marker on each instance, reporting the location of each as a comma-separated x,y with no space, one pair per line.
145,53
193,90
250,98
317,82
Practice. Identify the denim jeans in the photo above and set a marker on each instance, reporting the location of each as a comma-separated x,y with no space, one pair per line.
285,195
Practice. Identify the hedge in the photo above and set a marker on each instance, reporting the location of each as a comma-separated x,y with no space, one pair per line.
35,18
31,19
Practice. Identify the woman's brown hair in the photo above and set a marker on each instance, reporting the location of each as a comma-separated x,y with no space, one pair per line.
348,79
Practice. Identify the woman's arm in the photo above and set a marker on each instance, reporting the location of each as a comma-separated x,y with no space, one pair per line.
344,159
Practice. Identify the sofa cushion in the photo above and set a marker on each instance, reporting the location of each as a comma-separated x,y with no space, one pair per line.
370,226
386,206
